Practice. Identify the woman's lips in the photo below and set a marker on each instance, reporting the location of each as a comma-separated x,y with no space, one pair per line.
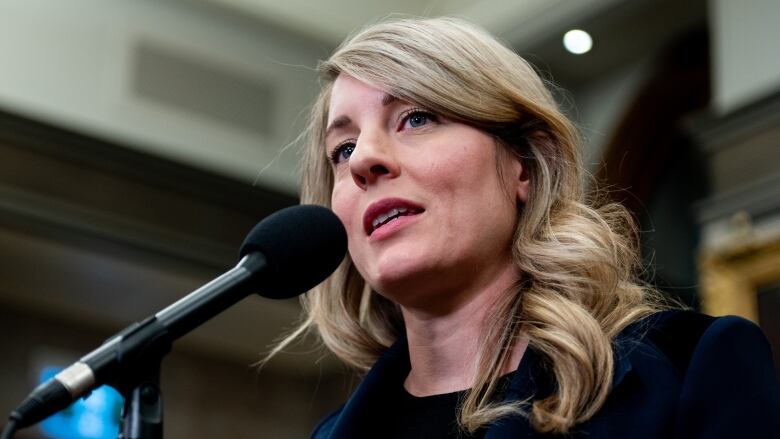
388,211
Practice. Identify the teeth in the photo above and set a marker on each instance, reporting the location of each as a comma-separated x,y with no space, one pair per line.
381,219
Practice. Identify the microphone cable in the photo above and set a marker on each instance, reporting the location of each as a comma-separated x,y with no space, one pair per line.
9,430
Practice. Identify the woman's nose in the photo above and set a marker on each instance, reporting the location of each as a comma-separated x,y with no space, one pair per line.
373,159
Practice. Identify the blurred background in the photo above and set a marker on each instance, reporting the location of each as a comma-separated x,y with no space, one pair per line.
140,140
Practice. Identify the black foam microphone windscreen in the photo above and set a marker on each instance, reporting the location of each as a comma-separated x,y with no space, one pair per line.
302,245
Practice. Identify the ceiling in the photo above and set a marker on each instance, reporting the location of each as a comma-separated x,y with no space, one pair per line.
333,20
623,30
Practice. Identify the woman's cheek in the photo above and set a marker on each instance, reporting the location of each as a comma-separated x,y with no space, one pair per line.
343,206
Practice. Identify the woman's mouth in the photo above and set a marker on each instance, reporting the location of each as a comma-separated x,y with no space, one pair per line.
386,211
389,216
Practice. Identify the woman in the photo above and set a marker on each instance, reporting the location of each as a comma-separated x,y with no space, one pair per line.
483,294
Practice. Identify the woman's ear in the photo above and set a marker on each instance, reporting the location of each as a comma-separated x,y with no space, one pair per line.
515,175
521,181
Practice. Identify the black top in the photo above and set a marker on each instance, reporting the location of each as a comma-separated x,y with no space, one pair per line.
429,417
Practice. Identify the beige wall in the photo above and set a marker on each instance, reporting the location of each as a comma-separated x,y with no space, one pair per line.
745,41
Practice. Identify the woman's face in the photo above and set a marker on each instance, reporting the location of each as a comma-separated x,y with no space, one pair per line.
420,196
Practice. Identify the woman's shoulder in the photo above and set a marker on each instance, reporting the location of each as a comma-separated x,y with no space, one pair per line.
713,375
674,334
682,337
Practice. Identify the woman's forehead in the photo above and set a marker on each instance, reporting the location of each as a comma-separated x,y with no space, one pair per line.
349,97
347,88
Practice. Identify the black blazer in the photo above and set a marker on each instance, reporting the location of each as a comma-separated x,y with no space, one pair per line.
677,375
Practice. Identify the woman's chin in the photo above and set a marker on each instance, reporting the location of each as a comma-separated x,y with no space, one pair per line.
393,264
392,280
409,288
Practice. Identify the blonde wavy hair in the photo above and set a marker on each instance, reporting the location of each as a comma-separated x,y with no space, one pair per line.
579,263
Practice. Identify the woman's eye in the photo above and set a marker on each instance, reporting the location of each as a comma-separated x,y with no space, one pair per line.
342,152
418,118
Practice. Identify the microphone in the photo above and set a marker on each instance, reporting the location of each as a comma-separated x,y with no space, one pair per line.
286,254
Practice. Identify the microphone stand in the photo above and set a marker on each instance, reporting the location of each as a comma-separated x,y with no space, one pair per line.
130,362
139,383
142,413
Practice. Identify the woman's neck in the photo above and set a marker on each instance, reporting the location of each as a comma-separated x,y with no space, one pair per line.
443,348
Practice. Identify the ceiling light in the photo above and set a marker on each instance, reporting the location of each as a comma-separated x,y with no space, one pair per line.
577,41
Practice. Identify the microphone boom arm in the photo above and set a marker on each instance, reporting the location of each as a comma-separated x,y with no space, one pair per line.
272,255
130,361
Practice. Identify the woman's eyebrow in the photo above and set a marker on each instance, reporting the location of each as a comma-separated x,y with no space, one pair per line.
337,123
343,121
388,99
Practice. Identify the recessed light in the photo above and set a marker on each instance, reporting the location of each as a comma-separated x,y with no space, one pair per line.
577,41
